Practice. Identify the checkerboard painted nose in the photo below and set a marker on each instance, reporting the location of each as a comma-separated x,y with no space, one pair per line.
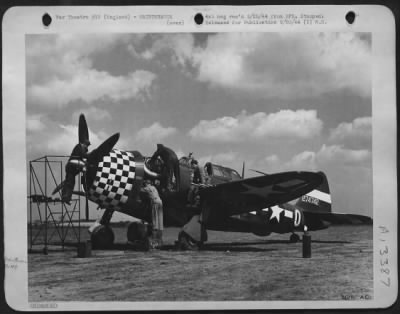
114,180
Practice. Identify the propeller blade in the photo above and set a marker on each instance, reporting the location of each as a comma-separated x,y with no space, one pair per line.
80,193
58,187
83,130
97,154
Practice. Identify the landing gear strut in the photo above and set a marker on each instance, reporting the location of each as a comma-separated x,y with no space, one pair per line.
294,238
102,236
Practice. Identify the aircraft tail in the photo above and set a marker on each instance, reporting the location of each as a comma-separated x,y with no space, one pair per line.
317,209
318,200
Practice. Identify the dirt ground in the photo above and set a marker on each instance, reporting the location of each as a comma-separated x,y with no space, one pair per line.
231,266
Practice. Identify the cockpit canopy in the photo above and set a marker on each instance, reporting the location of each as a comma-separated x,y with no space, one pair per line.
220,174
210,173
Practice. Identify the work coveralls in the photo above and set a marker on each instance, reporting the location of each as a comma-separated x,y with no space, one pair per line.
171,164
156,213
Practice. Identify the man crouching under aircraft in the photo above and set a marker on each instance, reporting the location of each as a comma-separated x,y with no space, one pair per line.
79,152
156,207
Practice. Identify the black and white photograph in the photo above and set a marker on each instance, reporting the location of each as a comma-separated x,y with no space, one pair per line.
218,167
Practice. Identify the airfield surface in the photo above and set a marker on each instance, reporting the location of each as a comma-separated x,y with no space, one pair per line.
231,266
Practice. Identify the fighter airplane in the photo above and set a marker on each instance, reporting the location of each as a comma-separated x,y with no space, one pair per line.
226,201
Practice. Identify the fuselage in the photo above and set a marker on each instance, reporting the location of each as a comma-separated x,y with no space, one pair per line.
116,181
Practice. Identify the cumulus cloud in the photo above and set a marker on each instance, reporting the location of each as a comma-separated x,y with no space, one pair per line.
275,64
179,46
272,159
93,113
63,140
90,85
244,127
268,164
336,153
221,158
34,123
60,70
328,156
155,132
305,160
357,133
286,65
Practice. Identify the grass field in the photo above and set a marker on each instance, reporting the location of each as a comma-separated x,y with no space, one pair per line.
231,266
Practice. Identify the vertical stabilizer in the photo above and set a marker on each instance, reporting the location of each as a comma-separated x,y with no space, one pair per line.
318,200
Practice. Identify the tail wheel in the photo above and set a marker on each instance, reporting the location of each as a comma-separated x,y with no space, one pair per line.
294,238
137,231
102,237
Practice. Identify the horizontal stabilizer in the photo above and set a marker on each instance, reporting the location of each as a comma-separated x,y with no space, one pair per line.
341,218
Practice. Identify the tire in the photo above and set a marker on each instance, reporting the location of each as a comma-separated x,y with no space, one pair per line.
261,233
102,237
294,238
137,231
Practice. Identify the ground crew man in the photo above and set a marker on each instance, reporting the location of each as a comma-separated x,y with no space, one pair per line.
171,166
196,179
156,207
196,172
79,152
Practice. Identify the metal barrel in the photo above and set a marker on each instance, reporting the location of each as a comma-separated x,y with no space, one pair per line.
85,249
306,245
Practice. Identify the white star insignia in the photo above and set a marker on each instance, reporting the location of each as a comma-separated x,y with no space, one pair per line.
276,212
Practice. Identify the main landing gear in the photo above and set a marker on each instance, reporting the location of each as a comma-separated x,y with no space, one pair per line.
143,237
294,238
102,236
192,236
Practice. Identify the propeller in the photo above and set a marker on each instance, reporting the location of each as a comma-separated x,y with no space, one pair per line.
77,165
58,187
83,131
104,148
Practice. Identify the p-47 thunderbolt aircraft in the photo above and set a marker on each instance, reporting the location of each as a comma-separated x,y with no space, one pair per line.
224,201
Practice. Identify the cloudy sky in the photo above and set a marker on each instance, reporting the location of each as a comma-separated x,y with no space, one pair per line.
278,101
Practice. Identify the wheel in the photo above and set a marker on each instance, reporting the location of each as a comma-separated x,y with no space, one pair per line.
185,242
137,231
294,238
204,235
261,233
102,237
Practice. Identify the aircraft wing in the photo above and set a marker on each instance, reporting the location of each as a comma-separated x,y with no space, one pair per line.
243,196
340,218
